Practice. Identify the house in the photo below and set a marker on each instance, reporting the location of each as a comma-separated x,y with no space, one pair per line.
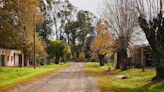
142,55
137,56
11,57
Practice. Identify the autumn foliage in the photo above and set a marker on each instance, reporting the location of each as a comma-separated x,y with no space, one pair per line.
102,43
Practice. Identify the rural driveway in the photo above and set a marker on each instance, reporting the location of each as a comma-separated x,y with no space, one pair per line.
71,79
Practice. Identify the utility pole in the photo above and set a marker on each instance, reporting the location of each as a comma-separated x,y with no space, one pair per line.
34,41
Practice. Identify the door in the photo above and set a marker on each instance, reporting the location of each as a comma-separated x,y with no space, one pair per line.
2,60
20,60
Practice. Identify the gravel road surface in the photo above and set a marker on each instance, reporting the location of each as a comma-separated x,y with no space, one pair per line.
71,79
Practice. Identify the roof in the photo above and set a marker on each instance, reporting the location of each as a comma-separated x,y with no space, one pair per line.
2,50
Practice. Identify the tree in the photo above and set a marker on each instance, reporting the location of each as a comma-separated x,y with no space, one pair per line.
57,49
79,32
151,20
71,31
7,24
68,24
57,13
86,27
102,43
45,30
17,23
122,20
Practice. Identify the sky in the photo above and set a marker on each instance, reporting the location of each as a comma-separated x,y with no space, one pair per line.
90,5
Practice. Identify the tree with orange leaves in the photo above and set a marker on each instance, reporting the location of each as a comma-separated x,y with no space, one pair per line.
18,25
102,43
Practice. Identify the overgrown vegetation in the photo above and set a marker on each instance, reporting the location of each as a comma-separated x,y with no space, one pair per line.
137,80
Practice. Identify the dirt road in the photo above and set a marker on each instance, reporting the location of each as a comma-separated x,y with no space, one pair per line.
71,79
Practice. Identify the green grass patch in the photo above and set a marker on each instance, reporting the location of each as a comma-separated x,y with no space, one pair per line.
137,80
12,76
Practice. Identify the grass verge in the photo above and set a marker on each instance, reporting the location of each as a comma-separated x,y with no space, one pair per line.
137,80
13,76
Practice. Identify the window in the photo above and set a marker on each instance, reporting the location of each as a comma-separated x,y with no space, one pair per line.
7,58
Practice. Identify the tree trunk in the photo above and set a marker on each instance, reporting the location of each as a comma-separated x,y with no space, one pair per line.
118,64
101,59
122,62
57,60
142,60
26,59
159,57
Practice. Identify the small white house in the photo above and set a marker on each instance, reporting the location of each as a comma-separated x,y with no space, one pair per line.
11,57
